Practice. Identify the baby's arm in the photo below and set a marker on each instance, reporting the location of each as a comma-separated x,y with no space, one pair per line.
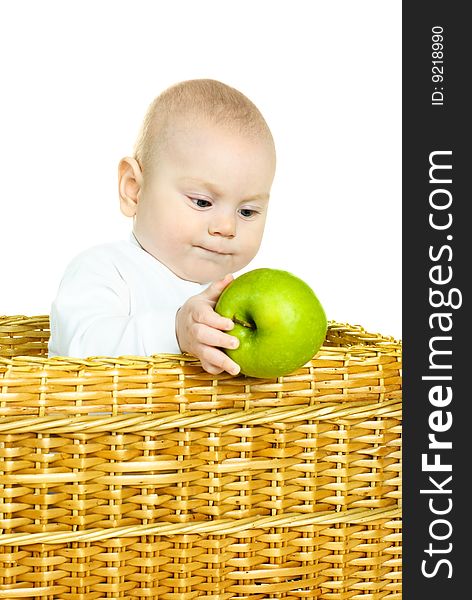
91,315
199,330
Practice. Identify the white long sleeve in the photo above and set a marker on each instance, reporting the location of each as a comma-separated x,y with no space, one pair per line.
116,300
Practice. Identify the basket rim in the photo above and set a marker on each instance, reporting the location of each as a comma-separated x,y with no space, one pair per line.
361,342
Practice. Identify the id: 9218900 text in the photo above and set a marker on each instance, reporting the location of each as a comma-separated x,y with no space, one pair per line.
437,65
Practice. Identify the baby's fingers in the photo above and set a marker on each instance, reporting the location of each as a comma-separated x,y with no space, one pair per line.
215,361
207,316
214,290
214,337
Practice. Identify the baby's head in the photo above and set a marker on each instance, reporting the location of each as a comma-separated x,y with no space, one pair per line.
198,185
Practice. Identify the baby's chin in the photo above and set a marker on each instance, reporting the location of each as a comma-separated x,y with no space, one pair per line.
205,272
205,276
199,269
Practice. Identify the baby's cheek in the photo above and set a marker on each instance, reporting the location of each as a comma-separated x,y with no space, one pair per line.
174,237
252,244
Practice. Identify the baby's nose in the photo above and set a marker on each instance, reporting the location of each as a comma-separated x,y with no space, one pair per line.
224,225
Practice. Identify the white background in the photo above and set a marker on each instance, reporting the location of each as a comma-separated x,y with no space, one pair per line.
78,76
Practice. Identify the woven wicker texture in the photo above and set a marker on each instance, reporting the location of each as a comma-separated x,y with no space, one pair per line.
146,477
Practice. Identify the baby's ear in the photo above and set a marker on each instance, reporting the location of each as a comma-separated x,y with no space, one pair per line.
130,180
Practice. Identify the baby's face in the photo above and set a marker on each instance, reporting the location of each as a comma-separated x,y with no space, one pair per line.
202,209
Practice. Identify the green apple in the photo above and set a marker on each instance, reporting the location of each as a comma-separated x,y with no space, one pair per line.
278,320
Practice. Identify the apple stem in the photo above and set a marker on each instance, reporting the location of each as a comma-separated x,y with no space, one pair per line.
243,323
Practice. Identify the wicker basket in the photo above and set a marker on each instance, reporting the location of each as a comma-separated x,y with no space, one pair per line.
146,477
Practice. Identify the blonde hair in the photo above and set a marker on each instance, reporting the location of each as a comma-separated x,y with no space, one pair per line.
193,99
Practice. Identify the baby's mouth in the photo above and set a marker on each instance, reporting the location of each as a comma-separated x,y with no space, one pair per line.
213,251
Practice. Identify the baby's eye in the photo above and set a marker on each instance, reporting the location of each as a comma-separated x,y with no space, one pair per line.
201,202
248,212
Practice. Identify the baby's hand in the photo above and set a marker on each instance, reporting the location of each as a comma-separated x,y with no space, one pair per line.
199,330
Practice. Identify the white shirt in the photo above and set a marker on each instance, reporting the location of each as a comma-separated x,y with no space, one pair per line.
116,299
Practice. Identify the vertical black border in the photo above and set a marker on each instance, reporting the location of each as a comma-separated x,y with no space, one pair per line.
428,128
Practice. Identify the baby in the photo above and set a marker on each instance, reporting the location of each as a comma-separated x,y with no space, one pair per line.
197,190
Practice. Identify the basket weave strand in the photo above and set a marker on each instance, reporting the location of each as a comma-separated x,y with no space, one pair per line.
146,477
